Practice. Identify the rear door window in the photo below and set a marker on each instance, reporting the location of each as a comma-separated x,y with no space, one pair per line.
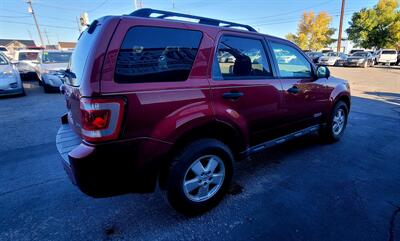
241,58
156,54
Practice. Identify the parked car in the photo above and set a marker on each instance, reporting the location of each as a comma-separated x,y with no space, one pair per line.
398,58
52,67
360,59
333,58
10,80
314,56
27,63
387,56
150,104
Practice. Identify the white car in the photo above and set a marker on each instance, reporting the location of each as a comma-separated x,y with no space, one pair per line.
10,80
332,58
51,68
386,56
27,62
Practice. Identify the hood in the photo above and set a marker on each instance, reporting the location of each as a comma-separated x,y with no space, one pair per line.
5,68
329,58
54,66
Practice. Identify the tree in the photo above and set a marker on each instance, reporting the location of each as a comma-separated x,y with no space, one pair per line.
377,27
313,31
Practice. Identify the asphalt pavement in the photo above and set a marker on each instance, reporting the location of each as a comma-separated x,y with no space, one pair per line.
301,190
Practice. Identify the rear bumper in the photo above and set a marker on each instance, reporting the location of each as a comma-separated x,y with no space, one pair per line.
110,169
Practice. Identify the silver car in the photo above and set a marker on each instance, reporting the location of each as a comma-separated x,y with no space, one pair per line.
51,68
10,80
333,58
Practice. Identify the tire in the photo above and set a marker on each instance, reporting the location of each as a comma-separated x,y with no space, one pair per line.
365,64
330,133
191,199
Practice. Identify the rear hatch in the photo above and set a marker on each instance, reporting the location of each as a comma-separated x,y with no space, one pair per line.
83,74
388,56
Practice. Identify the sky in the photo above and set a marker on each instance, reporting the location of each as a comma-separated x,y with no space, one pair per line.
58,18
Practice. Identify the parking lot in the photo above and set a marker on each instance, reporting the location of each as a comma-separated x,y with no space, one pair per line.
302,190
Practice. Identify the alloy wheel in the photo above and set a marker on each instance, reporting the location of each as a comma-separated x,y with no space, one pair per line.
204,178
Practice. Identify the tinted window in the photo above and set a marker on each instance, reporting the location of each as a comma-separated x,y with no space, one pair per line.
290,62
388,52
240,58
79,56
360,54
56,57
3,49
151,54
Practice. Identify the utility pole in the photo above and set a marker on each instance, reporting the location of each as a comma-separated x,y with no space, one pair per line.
339,41
79,25
173,4
47,36
138,4
30,9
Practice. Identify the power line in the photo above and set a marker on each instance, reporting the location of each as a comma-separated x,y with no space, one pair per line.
286,13
99,6
45,25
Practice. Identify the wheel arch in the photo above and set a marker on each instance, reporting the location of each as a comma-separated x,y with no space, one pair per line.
215,129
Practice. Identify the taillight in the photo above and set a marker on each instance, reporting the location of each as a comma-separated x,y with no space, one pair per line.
101,119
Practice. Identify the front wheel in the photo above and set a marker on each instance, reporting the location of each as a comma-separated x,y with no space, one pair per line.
200,176
337,122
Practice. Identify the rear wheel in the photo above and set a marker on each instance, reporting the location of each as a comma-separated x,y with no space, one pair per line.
337,122
200,176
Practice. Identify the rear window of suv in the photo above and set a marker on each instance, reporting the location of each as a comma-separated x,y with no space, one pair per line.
388,52
156,54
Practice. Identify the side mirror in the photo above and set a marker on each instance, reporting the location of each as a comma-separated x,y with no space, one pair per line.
323,72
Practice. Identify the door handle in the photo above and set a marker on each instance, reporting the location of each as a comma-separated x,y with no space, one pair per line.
232,95
294,90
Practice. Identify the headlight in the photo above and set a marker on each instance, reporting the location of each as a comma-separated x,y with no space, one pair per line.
8,73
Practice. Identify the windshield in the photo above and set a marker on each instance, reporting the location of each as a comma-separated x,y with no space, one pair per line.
3,60
56,57
333,54
360,54
28,56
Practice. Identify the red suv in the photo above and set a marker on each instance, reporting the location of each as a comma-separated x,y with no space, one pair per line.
160,102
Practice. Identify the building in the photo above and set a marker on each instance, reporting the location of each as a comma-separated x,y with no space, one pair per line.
15,44
66,45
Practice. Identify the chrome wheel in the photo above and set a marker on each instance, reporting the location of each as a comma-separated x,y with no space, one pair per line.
204,178
339,121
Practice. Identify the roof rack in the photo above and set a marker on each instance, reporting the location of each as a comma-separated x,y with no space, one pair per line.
147,12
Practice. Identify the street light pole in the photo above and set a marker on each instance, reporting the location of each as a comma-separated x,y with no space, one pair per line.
339,41
30,9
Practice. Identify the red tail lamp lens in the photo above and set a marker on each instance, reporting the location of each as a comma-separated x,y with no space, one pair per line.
95,119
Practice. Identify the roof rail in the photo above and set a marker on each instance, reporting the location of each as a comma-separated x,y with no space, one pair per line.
147,12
